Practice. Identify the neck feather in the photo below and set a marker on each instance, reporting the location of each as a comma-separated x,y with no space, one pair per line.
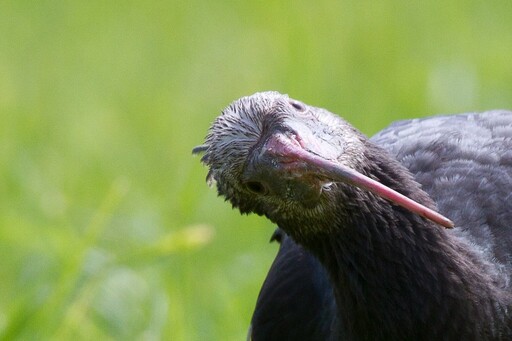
399,276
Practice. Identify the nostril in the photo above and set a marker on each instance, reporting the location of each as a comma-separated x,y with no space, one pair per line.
256,187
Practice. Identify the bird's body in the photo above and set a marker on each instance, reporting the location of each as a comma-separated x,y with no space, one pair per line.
372,269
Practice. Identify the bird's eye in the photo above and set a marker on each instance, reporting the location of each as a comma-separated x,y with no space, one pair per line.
256,187
298,105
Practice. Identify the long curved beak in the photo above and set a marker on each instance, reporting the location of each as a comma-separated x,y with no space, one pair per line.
286,148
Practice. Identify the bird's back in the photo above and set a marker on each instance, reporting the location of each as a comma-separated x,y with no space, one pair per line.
464,162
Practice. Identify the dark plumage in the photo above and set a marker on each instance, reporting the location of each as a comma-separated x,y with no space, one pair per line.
373,268
296,301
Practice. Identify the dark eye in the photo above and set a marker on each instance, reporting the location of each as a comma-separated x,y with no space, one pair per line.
256,187
298,105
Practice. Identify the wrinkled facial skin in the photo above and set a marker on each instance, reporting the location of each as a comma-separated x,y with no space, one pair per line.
235,150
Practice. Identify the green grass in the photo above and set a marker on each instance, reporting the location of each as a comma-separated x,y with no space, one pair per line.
107,227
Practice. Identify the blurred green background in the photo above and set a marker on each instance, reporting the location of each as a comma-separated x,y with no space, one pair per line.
107,227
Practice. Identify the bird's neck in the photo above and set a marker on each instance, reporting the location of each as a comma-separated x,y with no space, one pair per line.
396,275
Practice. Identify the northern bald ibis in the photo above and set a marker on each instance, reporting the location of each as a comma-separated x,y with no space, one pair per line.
364,253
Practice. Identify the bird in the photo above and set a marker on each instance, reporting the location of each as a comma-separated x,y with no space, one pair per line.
367,251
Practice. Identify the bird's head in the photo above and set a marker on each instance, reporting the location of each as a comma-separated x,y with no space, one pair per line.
275,156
